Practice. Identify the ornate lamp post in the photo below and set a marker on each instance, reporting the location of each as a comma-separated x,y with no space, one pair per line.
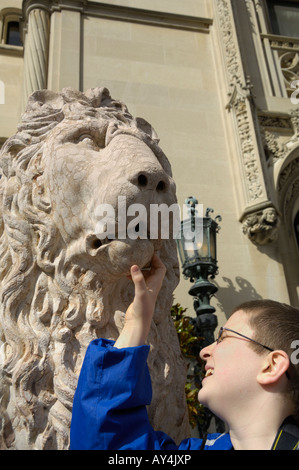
199,263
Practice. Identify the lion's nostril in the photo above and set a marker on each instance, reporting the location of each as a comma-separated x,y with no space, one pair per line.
142,180
92,244
161,186
154,179
96,243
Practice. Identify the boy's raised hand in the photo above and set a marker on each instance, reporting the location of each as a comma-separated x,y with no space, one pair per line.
140,313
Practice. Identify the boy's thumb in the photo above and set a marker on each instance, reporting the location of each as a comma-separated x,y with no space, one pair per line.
135,269
137,277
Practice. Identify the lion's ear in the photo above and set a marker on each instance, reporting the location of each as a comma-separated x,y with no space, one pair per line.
146,127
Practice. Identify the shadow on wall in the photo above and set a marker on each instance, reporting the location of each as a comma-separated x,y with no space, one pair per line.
233,294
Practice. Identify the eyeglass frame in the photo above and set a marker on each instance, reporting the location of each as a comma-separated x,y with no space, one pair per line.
222,328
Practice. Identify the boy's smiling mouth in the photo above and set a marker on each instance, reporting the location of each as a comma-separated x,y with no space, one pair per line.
209,372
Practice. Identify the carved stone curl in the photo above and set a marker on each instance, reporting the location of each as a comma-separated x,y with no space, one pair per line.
261,227
62,287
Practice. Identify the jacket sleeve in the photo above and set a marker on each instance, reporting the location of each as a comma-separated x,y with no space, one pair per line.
109,408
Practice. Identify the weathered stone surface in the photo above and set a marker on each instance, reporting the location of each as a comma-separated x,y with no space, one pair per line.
60,287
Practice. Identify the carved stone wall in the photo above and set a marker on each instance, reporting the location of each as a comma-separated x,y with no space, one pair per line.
60,286
243,114
265,139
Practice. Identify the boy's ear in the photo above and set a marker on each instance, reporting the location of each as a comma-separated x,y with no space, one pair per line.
274,366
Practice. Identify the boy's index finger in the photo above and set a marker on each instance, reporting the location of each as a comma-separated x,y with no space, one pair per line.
155,276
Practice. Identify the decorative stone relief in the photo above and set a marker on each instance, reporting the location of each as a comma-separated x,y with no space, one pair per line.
262,227
280,135
295,124
288,59
240,105
275,147
61,286
262,140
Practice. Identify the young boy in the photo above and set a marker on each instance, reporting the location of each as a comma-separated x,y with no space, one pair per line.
250,381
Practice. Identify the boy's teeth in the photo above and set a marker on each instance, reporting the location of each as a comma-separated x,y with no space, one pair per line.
209,372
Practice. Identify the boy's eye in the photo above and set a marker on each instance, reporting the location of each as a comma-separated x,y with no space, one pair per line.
221,337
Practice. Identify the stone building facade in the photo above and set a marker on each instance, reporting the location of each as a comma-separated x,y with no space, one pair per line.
219,81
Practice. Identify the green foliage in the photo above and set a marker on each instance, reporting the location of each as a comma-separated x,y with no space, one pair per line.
189,343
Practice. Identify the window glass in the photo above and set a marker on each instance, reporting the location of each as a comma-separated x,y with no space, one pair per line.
284,17
13,36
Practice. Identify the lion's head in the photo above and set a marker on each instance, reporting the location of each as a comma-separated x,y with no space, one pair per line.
62,285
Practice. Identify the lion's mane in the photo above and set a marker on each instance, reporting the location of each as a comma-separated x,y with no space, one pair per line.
46,322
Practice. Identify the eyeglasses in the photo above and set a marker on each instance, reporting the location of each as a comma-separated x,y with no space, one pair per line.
222,329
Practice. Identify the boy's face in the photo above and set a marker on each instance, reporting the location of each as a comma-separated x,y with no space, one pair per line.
232,382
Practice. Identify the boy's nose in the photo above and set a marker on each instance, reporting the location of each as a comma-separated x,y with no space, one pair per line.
206,352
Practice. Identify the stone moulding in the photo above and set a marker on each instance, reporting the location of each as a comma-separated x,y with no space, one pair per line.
124,13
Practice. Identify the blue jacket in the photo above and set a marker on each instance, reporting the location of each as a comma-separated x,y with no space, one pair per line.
109,409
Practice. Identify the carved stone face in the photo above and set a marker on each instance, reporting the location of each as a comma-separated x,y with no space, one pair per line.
81,173
270,215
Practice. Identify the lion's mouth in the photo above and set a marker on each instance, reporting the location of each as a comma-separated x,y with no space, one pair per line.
118,255
94,244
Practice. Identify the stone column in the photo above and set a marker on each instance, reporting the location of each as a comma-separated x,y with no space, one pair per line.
36,50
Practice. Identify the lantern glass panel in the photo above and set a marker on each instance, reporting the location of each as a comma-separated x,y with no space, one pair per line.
213,243
185,244
180,245
205,250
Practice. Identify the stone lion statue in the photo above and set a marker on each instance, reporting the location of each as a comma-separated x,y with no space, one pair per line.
62,285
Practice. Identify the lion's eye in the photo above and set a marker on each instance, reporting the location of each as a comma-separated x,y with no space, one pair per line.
87,140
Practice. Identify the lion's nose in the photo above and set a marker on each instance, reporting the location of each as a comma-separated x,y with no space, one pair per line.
156,180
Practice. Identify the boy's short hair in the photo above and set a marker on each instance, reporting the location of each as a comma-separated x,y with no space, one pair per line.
276,325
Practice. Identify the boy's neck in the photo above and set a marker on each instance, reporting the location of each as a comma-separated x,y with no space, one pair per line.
256,438
259,433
